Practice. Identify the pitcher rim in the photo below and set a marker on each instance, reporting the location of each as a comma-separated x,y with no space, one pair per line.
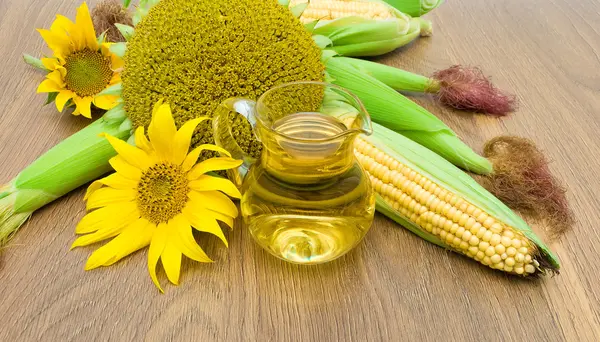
362,110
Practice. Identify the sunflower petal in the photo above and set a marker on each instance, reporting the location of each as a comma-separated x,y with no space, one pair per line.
192,157
116,78
49,86
131,154
157,246
61,26
162,130
133,238
213,164
92,188
212,200
56,76
84,105
107,196
210,183
228,220
104,233
84,23
125,169
118,181
141,141
50,63
202,221
105,102
187,243
171,261
182,140
111,215
62,98
59,45
116,62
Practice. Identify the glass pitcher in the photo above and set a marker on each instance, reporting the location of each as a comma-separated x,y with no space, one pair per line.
306,200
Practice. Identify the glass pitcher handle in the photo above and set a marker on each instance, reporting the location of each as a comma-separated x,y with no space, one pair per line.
224,136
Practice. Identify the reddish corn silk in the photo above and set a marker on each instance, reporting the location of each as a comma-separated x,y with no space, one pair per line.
467,88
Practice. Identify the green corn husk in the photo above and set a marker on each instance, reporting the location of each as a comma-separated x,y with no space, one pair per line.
393,110
444,174
415,8
77,160
354,36
397,79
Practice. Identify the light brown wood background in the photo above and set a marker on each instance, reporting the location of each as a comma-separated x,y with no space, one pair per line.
393,287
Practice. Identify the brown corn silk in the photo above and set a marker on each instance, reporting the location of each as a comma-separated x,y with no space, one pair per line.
523,181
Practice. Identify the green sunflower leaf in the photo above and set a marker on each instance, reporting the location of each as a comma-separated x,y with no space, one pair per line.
118,49
34,62
126,30
51,98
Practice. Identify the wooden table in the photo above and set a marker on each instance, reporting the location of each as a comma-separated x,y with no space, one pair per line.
395,286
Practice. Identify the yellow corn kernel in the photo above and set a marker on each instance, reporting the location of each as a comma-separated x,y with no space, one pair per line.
335,9
461,225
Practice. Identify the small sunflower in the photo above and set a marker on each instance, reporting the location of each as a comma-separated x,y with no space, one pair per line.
158,193
81,67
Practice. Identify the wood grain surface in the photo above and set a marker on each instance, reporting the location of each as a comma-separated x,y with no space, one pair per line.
394,286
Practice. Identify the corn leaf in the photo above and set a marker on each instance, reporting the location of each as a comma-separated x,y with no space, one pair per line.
75,161
415,8
393,110
395,78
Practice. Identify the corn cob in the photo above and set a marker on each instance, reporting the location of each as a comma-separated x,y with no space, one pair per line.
442,204
359,27
335,9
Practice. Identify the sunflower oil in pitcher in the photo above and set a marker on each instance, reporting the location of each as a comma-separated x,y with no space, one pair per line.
307,200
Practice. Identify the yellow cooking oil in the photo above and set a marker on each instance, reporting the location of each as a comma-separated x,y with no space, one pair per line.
307,200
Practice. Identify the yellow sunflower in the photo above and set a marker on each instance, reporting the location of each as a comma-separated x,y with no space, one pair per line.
80,67
158,193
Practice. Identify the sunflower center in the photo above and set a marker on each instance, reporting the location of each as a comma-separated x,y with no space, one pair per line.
88,72
162,192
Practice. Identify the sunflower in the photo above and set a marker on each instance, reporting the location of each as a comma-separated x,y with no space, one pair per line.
158,193
81,67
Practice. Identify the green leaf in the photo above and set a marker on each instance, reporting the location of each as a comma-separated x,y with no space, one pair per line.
354,36
415,8
284,2
101,38
126,30
395,78
74,162
326,55
125,125
126,3
34,62
322,41
115,90
299,9
51,98
115,115
395,111
310,27
119,49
